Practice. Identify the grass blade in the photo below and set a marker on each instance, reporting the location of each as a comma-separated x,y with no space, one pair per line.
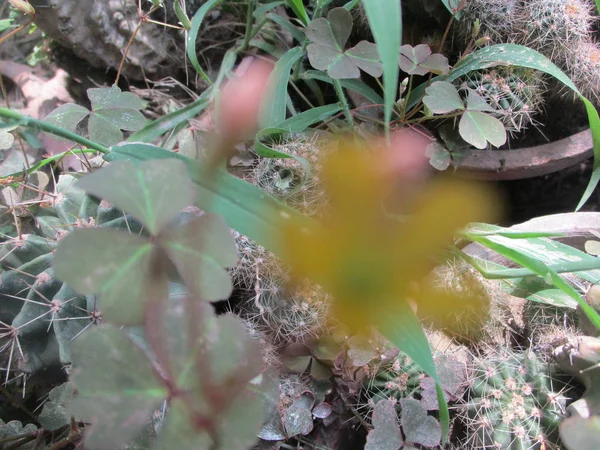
273,107
298,8
193,35
385,21
539,268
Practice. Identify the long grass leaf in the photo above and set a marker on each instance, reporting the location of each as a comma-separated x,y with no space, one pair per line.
385,21
193,35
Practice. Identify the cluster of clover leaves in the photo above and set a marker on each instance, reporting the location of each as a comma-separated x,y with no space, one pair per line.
205,370
477,125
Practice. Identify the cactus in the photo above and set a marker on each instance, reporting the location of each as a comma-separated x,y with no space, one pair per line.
516,93
551,26
289,313
514,403
294,181
583,65
496,19
40,315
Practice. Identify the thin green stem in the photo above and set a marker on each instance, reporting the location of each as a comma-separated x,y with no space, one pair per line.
52,129
340,93
249,21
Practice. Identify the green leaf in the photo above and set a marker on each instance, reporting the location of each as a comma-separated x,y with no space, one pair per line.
305,119
54,414
115,264
519,252
296,33
354,85
385,22
116,394
297,420
208,355
592,247
519,55
418,427
113,111
478,128
152,192
406,333
419,60
263,9
453,6
553,297
442,98
439,157
326,52
181,15
5,24
14,429
578,433
166,123
200,250
298,8
273,106
192,37
67,116
246,208
385,434
6,138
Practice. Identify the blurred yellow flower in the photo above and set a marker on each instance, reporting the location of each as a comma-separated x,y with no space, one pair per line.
369,261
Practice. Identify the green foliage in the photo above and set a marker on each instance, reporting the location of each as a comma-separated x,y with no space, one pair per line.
131,271
476,126
112,111
420,61
327,49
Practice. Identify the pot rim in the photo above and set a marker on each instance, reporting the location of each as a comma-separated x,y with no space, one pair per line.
526,162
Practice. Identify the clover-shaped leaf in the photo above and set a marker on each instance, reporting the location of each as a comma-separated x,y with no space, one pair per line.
112,111
385,434
420,61
152,192
442,97
116,394
214,369
130,271
478,128
328,39
439,157
418,427
6,138
54,414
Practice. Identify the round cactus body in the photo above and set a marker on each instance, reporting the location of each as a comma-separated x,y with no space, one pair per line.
516,93
514,403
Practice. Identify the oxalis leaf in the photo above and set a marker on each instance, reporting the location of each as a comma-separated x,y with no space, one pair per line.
6,138
442,98
130,271
385,434
478,128
112,111
328,39
420,61
116,394
153,192
214,368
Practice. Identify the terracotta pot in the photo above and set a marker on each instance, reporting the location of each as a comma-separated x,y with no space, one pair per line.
575,226
527,162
